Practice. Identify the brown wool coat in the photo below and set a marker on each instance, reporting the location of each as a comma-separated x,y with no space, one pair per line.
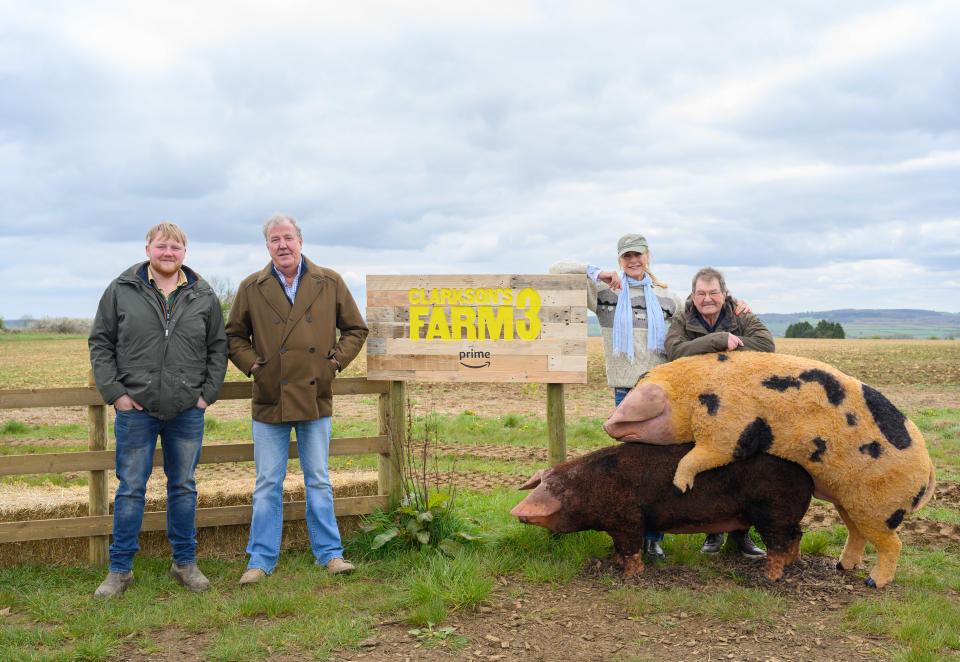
293,344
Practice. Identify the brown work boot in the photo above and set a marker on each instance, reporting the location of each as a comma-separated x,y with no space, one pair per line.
338,566
190,577
252,576
115,584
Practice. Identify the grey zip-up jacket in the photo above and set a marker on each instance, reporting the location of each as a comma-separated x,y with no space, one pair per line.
163,360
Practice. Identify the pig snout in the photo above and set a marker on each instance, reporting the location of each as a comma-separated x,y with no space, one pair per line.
644,415
540,508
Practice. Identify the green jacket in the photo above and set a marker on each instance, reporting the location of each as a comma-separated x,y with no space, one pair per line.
687,336
165,365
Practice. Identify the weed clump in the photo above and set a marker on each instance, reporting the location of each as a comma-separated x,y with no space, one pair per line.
14,427
426,517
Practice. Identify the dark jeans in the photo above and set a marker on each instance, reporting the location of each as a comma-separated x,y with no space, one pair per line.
180,439
619,393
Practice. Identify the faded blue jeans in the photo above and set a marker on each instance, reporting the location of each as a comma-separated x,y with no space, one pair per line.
271,444
180,438
619,393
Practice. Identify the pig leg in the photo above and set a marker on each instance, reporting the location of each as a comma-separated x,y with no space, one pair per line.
704,456
853,548
627,552
783,548
888,547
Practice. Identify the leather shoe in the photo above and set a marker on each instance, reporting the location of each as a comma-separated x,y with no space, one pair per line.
252,576
748,548
653,550
713,544
338,566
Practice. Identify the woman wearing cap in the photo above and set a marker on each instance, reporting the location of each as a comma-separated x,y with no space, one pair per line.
633,322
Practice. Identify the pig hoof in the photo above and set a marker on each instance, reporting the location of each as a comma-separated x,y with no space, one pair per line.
632,565
870,583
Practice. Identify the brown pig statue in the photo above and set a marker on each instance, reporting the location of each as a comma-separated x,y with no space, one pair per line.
863,454
628,489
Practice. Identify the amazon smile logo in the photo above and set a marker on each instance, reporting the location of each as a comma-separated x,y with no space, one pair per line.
472,354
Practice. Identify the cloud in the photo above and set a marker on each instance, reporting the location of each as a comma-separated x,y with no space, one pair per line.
779,142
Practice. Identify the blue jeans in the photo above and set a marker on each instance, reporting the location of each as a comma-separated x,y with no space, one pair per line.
180,438
271,443
619,393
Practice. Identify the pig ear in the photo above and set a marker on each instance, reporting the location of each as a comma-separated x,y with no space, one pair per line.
533,481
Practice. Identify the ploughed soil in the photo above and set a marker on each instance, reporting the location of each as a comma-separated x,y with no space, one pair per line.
595,617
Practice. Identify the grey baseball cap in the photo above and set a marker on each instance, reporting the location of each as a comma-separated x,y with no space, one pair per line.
631,242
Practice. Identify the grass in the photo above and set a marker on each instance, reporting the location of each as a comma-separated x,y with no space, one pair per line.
941,430
32,336
300,611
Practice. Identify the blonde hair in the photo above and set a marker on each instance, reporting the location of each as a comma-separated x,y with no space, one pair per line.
165,229
647,269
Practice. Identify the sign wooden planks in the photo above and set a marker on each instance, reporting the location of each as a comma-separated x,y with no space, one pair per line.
477,328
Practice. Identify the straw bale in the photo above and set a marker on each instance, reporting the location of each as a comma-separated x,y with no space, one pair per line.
19,503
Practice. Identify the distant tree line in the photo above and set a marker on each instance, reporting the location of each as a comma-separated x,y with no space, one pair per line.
824,329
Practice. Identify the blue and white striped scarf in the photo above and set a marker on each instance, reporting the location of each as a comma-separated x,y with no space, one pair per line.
623,318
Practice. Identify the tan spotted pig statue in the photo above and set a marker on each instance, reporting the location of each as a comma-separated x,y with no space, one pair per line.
865,457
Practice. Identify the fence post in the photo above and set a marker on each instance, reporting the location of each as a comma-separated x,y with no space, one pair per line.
556,425
391,416
99,496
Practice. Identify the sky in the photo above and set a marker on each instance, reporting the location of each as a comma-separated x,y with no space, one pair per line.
809,149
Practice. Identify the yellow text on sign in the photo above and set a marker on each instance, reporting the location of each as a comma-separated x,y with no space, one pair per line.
478,322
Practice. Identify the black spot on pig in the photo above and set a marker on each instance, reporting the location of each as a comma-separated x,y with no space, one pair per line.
723,357
835,392
781,383
894,520
755,438
873,449
609,462
851,418
821,447
888,418
711,402
916,499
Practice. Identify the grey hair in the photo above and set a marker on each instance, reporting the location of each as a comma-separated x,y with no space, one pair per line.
277,219
708,273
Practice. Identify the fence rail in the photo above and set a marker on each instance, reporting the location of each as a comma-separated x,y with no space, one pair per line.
98,460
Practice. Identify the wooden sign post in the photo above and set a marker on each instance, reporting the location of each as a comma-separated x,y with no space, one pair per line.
481,328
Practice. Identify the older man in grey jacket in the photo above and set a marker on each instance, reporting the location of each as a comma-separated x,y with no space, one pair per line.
159,355
709,323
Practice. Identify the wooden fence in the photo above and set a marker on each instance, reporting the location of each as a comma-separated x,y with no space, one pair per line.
98,524
98,460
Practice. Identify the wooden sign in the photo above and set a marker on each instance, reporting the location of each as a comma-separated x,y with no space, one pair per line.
477,328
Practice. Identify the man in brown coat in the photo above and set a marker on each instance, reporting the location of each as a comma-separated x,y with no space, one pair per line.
709,323
283,330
